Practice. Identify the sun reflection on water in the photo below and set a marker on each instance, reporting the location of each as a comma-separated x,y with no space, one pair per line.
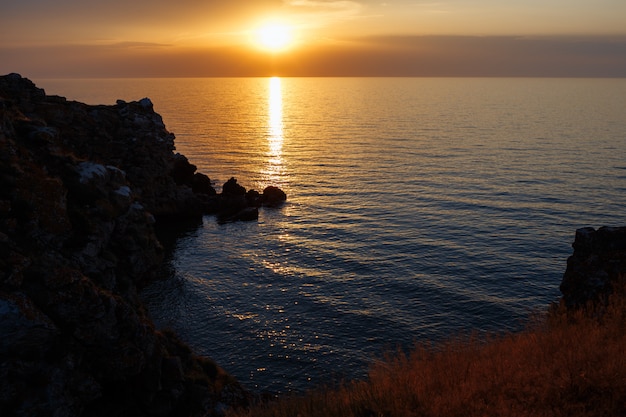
275,130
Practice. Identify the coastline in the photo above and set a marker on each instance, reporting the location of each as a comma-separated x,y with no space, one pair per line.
83,188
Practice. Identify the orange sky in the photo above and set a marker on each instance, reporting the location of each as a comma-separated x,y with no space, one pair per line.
163,38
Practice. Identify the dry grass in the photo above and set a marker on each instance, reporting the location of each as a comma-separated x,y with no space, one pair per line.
568,364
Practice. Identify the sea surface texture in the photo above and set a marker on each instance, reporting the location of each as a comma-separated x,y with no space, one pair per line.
417,208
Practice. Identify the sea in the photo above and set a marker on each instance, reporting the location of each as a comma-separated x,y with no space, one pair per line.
418,209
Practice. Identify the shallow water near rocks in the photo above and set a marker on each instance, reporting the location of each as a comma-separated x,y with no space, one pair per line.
417,208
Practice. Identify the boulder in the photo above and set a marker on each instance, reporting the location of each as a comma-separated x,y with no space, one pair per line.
273,196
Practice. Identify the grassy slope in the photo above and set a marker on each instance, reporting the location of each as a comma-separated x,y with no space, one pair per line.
566,364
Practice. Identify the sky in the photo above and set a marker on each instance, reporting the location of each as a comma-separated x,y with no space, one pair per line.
199,38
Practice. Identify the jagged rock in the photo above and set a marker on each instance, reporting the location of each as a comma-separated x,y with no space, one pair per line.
231,188
597,264
182,171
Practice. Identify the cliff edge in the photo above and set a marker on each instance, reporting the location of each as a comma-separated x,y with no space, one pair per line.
81,188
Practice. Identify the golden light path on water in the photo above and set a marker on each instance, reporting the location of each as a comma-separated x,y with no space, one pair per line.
275,130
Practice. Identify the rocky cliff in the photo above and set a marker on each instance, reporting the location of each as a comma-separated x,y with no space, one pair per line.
81,188
597,265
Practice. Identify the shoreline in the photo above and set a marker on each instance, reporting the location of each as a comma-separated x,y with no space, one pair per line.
84,191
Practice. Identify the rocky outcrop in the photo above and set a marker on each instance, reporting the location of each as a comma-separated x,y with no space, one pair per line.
596,266
81,189
236,203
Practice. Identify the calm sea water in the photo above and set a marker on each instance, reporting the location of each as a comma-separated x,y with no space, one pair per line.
417,208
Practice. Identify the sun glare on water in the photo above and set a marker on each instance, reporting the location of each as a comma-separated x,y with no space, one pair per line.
274,37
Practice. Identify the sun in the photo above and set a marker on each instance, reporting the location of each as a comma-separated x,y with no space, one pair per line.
274,37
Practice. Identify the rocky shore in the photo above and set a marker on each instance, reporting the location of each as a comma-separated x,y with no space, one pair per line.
82,190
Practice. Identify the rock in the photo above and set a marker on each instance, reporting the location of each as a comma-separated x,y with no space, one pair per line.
273,196
253,198
248,214
237,204
201,184
597,264
231,188
182,171
25,330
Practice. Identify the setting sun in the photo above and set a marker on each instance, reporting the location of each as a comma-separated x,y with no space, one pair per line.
274,37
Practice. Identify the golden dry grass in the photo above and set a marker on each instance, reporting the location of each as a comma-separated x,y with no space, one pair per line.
568,364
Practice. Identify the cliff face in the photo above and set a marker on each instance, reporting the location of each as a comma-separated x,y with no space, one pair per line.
80,190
